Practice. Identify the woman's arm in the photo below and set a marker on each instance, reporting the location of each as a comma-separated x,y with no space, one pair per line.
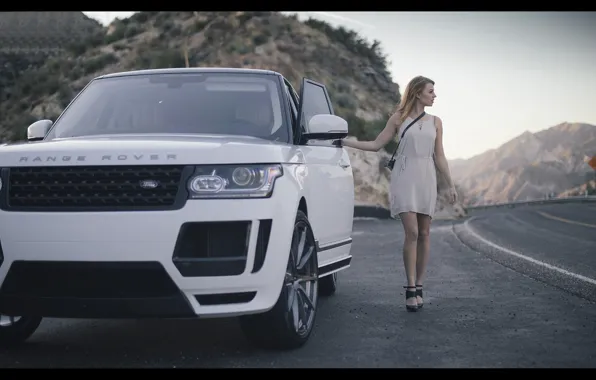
440,159
382,139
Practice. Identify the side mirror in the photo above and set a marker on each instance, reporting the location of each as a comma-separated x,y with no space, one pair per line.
38,130
326,127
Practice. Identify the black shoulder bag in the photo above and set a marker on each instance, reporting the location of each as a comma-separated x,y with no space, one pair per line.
391,163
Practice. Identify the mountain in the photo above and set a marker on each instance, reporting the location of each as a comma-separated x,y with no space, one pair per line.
27,39
529,166
353,69
588,188
43,30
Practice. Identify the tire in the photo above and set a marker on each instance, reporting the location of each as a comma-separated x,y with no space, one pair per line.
18,331
279,328
328,285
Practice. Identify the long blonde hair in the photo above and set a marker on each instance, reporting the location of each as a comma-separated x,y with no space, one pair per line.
414,88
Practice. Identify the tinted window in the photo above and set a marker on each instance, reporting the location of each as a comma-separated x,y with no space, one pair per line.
315,101
236,104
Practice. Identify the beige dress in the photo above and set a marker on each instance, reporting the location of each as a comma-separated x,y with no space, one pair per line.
413,186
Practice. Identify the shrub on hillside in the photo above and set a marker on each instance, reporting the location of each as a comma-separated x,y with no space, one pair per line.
353,42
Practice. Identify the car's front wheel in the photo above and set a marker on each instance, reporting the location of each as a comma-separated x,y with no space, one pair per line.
290,322
16,330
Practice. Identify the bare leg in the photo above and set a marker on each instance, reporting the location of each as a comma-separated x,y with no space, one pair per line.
423,251
410,225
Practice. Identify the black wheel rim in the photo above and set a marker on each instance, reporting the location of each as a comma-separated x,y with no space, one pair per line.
301,280
8,321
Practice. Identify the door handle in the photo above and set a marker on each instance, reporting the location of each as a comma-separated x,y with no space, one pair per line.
344,164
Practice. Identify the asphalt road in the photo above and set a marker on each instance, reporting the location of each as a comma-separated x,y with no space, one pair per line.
505,289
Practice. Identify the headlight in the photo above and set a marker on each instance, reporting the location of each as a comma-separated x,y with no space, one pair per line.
233,181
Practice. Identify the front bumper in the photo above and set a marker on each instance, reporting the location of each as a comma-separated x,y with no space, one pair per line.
149,264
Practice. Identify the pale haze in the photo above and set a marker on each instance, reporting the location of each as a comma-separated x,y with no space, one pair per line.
497,74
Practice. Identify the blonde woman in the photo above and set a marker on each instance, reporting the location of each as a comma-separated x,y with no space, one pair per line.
413,189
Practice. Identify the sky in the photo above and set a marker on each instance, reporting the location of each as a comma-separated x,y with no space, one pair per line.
497,74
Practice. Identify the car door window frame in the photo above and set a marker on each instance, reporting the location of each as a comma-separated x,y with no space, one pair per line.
306,82
327,97
293,100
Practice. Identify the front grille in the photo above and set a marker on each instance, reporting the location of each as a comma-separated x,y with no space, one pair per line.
95,188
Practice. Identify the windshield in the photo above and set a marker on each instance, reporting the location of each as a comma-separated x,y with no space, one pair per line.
213,103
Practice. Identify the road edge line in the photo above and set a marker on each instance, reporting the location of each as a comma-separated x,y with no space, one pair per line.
563,220
523,257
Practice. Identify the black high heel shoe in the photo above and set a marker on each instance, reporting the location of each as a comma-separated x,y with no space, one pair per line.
411,294
419,294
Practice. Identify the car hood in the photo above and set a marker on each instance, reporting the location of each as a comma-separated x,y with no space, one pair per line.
147,149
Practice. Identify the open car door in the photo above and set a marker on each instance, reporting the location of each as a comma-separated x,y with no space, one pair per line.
330,184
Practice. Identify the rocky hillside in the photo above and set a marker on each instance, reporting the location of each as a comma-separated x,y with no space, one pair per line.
529,166
27,39
353,69
588,188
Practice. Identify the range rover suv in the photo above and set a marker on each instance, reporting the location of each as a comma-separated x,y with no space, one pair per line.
178,193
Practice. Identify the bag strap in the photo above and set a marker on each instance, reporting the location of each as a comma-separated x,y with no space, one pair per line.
404,132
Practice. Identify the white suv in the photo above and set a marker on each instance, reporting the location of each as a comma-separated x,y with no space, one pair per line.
178,193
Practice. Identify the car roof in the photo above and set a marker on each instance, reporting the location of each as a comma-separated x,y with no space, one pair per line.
190,70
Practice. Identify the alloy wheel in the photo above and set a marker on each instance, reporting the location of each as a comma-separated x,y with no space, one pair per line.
301,280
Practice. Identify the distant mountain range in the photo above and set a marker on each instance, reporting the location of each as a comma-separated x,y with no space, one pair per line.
529,166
